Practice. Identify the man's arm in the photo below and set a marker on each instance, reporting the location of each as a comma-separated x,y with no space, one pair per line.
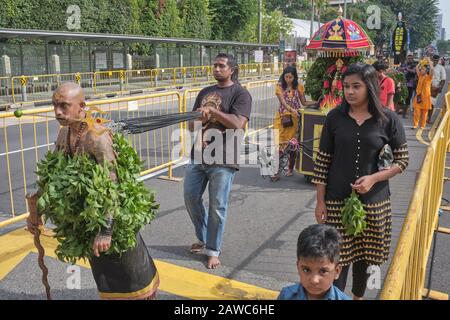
229,120
443,79
390,99
191,123
101,147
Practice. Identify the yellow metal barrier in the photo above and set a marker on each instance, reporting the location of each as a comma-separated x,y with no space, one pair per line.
5,91
36,89
406,274
265,103
138,79
109,82
201,73
39,88
27,139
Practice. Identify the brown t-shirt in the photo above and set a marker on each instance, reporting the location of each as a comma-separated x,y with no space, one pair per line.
233,99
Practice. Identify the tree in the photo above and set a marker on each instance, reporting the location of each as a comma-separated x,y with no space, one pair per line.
420,16
381,36
296,9
195,19
148,20
443,46
169,21
275,24
321,5
232,19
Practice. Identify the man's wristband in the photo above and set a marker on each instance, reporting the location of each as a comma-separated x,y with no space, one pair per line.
108,229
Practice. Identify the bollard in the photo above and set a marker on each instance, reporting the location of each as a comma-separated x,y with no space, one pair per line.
23,82
121,80
157,67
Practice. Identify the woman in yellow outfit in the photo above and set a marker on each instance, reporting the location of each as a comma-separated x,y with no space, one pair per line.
291,95
422,100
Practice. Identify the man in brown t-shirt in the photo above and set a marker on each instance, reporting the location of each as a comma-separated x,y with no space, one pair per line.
225,109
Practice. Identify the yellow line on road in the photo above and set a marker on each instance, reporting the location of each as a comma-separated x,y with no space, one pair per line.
419,137
180,281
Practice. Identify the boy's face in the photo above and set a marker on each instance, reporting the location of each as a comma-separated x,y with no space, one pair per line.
317,275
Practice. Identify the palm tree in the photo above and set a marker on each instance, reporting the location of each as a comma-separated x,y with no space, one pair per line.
320,5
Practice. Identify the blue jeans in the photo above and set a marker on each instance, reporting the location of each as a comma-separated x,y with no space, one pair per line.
209,226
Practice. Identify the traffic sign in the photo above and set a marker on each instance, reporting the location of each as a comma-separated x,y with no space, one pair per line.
23,81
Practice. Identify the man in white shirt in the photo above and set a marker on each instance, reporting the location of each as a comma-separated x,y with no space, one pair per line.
437,84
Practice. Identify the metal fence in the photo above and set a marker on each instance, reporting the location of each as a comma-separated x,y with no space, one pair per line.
5,92
406,275
27,139
38,89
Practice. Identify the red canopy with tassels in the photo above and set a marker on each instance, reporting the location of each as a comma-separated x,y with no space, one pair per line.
340,38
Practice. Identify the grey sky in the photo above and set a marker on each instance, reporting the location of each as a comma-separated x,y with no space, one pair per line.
444,5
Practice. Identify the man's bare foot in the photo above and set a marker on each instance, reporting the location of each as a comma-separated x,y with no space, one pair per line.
213,262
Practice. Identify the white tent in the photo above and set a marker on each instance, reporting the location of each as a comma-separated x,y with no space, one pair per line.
302,28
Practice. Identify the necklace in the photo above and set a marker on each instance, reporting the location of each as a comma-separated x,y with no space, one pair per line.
358,121
77,139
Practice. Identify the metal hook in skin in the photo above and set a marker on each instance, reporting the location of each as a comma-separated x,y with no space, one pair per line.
89,119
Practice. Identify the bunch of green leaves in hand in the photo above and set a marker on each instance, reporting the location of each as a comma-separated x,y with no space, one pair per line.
353,215
76,194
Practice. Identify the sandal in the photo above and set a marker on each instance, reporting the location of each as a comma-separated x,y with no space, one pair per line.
275,178
197,247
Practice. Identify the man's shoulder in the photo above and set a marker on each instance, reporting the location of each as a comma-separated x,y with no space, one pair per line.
208,89
242,91
99,136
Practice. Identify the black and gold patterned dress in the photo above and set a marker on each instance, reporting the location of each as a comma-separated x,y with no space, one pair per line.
347,152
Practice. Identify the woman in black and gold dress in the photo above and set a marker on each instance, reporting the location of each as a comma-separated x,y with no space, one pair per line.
352,138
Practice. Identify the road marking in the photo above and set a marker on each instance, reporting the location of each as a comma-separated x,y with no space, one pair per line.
26,149
419,137
180,281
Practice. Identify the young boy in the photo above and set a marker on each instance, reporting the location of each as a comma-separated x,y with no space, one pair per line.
317,265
